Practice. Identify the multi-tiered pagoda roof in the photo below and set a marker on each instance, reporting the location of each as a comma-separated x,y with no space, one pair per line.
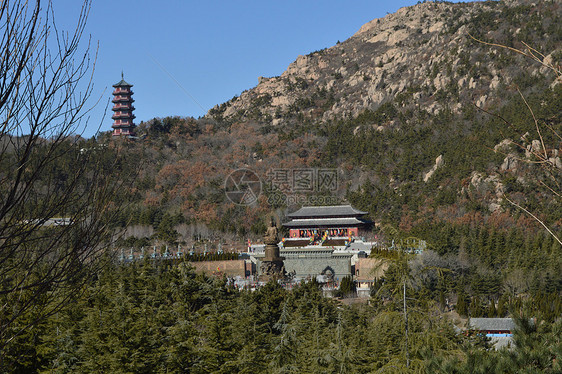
123,109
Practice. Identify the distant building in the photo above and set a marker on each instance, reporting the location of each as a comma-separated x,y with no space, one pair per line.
493,326
367,271
325,222
499,330
319,242
123,109
51,222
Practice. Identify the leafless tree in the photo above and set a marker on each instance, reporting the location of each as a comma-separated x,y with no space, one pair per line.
45,81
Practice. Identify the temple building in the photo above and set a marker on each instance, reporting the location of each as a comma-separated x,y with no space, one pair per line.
498,330
326,222
123,109
323,241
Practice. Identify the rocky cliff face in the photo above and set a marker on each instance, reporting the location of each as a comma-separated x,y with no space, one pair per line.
421,56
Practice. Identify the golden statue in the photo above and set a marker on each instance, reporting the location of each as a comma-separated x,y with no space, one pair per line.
271,235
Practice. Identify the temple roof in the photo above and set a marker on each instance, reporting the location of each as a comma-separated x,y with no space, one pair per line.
492,324
327,211
327,222
119,99
122,82
123,125
296,243
334,242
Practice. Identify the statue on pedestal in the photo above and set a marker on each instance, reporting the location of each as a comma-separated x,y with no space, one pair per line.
272,264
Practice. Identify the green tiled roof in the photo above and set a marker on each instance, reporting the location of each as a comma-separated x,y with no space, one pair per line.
122,82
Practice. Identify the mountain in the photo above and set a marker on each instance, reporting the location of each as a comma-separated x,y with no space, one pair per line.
424,120
421,56
443,121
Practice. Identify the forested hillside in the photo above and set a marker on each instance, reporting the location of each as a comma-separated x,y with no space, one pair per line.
449,135
464,137
153,318
443,121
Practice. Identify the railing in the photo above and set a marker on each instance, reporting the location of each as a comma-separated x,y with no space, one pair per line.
123,106
124,90
122,98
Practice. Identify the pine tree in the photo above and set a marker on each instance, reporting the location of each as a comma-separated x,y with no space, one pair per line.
491,312
462,307
282,357
502,305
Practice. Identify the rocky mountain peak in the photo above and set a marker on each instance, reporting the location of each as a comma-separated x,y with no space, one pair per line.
421,56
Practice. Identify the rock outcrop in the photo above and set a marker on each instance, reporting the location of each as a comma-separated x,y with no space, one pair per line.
423,55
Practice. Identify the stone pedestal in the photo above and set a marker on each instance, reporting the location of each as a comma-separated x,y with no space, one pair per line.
272,264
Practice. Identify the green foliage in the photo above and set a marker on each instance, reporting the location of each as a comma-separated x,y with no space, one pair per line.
151,317
347,288
154,317
158,127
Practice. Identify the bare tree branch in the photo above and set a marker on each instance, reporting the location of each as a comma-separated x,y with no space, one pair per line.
528,52
46,171
535,218
542,159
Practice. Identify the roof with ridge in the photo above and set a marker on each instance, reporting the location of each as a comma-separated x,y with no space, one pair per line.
122,82
492,324
325,222
326,211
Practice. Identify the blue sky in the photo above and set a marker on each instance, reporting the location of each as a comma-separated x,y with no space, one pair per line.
184,57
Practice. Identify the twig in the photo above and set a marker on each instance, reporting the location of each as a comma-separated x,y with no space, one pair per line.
536,218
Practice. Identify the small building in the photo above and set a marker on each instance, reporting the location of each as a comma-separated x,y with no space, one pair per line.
499,330
493,326
367,271
327,222
123,109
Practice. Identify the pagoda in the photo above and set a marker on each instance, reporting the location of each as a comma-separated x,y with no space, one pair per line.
123,109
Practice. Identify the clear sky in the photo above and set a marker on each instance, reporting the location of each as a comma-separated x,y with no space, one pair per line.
184,57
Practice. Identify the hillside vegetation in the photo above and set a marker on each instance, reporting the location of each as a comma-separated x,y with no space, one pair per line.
435,132
153,318
398,110
429,130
